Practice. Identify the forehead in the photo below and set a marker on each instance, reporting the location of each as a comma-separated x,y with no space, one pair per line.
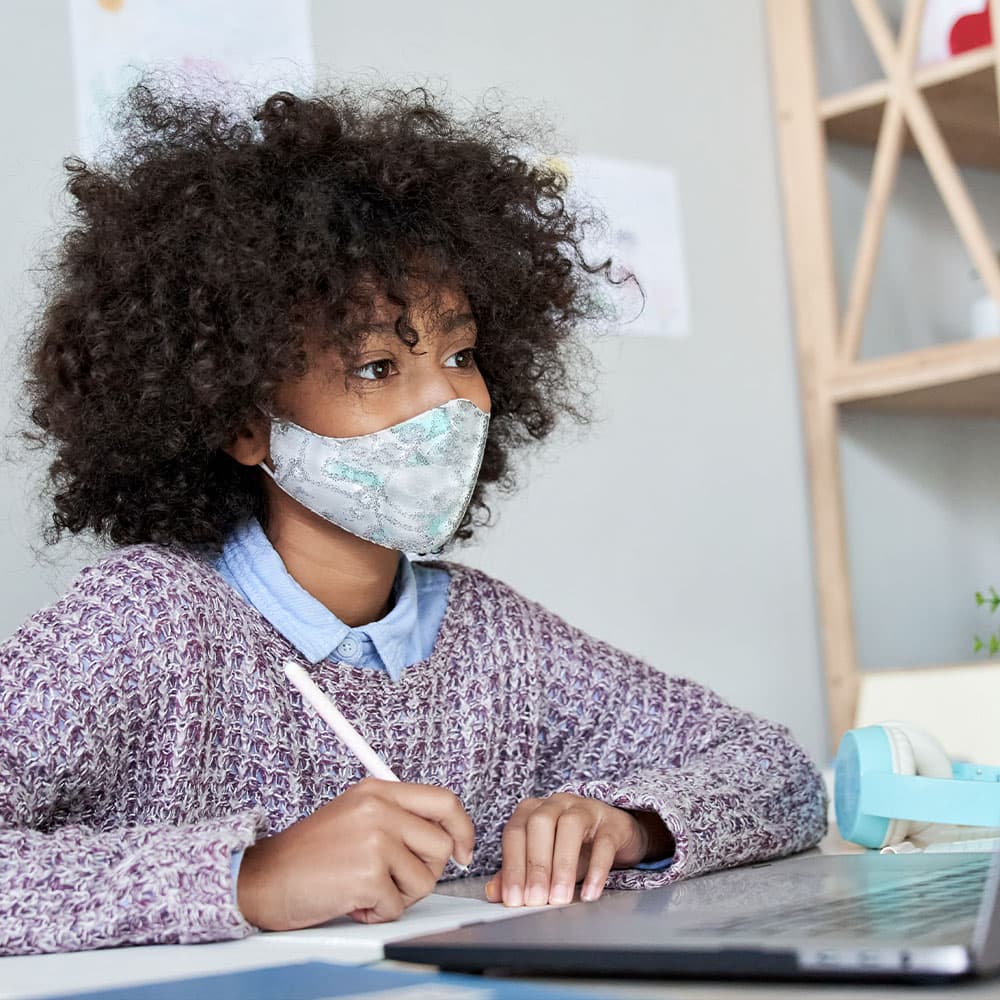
427,305
369,320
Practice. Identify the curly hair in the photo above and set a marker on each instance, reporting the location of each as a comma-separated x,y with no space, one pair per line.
208,244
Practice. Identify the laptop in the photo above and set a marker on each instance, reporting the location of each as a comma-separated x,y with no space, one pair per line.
883,917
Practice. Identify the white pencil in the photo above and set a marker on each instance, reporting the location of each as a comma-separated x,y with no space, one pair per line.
349,736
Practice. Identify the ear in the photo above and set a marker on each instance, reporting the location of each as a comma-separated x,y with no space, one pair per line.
251,443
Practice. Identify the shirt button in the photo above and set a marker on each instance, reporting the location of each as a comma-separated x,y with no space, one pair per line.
349,648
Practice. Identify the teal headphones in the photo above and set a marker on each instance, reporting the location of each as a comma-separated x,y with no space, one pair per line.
892,781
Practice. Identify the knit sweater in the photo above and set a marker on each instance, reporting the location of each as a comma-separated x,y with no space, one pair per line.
147,732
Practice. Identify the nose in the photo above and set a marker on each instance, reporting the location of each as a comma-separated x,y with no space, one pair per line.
433,388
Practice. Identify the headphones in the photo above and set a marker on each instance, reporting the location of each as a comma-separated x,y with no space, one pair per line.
894,780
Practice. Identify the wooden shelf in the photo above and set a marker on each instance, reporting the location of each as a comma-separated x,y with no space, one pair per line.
952,107
962,94
952,379
913,671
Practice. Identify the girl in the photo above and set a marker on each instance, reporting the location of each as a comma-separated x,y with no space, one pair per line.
277,354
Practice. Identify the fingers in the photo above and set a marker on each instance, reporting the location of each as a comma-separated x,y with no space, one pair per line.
542,845
539,836
403,880
383,905
439,805
512,843
427,840
571,832
370,852
554,836
602,857
412,877
550,844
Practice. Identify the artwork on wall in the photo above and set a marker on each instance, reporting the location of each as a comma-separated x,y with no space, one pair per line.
951,27
245,46
642,233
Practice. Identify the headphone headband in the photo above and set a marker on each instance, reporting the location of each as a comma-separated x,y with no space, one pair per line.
931,800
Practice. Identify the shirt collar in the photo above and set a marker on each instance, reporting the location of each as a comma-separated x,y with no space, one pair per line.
255,567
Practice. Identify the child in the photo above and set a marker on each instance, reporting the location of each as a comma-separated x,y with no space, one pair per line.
278,354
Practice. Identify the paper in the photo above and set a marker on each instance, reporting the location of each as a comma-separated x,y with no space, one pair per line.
345,940
254,44
642,234
939,18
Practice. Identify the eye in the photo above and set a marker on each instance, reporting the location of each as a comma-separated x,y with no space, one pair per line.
375,371
462,359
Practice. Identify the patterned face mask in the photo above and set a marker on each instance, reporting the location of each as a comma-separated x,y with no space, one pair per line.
406,487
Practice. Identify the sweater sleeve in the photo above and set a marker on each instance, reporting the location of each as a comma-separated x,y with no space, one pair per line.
73,874
731,787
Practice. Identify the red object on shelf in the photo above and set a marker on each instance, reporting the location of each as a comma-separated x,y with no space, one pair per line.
971,32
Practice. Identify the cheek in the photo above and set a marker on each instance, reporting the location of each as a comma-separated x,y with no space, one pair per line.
324,406
480,394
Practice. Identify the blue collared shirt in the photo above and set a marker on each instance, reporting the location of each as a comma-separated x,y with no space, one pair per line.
406,635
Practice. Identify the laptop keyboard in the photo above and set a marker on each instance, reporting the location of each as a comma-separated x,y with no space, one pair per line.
911,909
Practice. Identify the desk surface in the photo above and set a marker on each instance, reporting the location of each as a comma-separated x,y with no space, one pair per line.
37,976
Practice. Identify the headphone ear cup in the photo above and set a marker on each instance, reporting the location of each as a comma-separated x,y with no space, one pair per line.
930,760
902,763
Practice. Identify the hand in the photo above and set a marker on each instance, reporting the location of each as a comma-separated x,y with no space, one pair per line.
371,852
551,844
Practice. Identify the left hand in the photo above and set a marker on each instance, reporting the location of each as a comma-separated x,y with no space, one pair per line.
551,844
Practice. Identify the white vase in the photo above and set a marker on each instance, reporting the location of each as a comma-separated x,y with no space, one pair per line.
984,318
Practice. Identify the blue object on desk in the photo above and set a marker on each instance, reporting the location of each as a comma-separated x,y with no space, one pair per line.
318,980
880,780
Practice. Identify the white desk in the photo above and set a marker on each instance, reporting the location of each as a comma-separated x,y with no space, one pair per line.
37,976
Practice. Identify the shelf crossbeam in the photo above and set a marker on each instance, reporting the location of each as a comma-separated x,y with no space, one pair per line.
932,146
883,180
875,94
930,380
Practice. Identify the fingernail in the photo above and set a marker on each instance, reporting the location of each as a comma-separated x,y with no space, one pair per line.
590,893
561,894
513,896
536,896
491,891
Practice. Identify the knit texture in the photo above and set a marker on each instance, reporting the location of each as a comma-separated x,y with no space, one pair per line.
147,731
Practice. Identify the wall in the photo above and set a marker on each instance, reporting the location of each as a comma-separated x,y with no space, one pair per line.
677,527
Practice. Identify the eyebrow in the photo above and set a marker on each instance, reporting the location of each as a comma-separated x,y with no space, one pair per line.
452,323
463,319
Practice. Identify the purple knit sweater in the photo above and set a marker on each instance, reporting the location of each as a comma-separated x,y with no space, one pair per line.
147,732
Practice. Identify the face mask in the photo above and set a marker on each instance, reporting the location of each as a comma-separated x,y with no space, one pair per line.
406,487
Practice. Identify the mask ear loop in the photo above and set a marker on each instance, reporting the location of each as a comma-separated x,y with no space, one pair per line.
271,419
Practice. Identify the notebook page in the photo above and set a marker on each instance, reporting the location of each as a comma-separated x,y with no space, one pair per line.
345,940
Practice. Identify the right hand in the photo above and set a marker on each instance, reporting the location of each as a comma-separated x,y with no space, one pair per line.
371,852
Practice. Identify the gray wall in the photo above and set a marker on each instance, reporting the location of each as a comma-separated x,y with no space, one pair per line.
677,527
